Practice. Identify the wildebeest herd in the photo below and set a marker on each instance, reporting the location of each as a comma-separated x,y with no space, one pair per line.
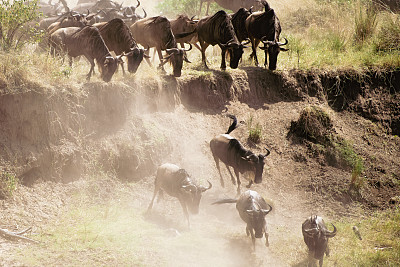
96,30
251,206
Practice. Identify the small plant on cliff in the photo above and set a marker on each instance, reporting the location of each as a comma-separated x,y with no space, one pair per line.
15,23
255,131
8,184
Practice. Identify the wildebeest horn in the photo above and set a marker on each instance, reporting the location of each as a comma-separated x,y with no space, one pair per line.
190,47
266,154
331,234
145,14
192,17
203,189
285,43
172,51
138,3
88,12
246,41
265,212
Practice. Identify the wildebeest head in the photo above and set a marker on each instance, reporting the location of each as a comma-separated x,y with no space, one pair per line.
135,57
109,67
235,51
176,56
273,48
257,221
192,193
316,233
258,164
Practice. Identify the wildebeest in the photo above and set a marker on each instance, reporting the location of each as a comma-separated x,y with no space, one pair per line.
156,32
86,42
118,38
231,152
218,30
316,237
72,20
183,24
177,183
234,5
252,209
238,21
265,27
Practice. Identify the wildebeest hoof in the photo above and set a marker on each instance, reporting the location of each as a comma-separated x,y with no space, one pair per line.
248,186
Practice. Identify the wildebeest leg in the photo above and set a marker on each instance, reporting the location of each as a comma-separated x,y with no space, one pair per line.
266,58
197,46
321,261
91,61
233,179
219,170
223,63
122,67
266,238
327,250
238,181
183,204
147,59
254,45
253,238
160,56
204,46
156,190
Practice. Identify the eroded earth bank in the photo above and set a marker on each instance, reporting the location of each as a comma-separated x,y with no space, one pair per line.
86,162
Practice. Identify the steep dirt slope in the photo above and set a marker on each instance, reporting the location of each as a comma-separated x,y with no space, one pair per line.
128,129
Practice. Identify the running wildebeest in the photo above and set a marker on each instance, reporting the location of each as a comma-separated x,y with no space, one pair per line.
316,237
156,32
177,183
218,30
265,27
118,38
231,152
86,42
252,209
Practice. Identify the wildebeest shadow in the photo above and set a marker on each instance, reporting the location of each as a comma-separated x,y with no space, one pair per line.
303,263
241,251
164,222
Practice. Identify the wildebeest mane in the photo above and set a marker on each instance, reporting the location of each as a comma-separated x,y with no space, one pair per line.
270,22
119,32
235,145
238,22
90,36
222,27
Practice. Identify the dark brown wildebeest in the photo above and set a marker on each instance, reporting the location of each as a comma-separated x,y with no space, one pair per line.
177,183
239,23
265,27
183,24
231,152
156,32
234,5
218,30
86,42
72,20
316,237
252,209
118,38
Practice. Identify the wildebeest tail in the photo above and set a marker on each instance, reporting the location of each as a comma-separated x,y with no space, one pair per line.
233,125
222,201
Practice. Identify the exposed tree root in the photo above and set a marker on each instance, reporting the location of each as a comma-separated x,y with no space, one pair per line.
16,236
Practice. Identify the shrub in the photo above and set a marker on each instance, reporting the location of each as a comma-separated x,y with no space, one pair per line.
15,27
171,8
8,184
388,37
255,132
365,22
